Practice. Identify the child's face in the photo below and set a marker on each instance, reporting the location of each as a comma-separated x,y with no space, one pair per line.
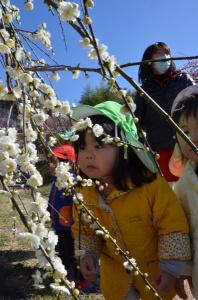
190,127
95,160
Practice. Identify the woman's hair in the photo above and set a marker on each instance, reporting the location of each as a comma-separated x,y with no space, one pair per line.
145,70
186,106
130,168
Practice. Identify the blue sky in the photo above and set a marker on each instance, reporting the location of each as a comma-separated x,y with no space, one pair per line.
127,27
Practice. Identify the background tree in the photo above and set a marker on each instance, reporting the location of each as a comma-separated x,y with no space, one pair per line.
93,96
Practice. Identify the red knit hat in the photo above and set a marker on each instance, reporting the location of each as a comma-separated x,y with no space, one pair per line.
65,152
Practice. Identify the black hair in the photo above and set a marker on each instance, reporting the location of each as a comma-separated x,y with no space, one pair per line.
186,106
132,167
145,72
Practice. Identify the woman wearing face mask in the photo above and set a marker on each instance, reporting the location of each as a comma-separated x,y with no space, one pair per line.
162,82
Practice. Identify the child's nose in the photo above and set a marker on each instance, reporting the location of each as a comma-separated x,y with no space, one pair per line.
89,154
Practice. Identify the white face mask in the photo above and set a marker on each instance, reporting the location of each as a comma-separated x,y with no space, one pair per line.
162,66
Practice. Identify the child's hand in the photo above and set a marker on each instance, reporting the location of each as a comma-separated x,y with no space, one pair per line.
163,281
88,268
179,286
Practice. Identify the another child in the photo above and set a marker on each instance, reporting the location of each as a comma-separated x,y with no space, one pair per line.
138,208
60,207
185,114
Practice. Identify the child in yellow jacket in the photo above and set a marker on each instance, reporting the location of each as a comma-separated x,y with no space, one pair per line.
137,207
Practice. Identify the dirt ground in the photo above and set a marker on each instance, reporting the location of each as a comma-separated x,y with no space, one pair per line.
17,262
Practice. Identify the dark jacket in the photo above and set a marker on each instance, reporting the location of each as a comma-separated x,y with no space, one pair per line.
163,90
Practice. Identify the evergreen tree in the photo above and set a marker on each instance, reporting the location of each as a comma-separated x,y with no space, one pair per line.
93,96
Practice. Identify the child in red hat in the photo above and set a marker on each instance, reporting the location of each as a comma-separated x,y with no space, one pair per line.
60,208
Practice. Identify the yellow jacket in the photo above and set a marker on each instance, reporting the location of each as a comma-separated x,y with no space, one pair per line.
147,221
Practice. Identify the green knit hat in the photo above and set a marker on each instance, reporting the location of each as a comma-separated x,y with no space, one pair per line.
125,122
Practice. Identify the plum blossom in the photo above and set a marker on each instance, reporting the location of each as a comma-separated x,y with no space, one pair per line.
38,280
102,49
129,266
29,5
64,178
59,288
97,130
31,134
54,76
20,54
35,180
75,74
89,3
25,78
32,240
85,42
43,36
68,11
4,35
7,165
40,118
4,49
82,124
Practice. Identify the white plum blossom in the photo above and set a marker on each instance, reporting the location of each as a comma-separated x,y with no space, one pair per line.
29,5
52,240
36,82
129,266
54,76
20,54
41,203
64,177
50,103
32,239
102,49
4,35
25,78
35,180
108,139
97,130
41,231
64,108
32,152
17,92
43,36
89,3
14,73
40,118
46,89
52,141
74,138
77,198
9,146
59,288
7,165
85,42
31,134
8,18
82,124
38,280
10,43
111,62
68,11
60,271
75,74
4,49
